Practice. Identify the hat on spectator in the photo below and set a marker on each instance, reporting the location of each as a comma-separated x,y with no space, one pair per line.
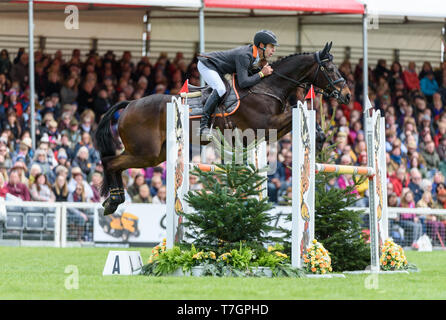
75,171
45,139
20,164
55,95
426,117
27,142
3,140
74,122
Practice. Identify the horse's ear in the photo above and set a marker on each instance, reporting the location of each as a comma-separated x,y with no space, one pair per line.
329,46
324,52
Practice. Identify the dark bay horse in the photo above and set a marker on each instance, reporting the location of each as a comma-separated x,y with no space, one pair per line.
142,123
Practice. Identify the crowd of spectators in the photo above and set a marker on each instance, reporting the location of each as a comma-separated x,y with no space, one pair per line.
412,102
72,94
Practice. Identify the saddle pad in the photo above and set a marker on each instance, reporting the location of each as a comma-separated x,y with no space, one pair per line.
230,104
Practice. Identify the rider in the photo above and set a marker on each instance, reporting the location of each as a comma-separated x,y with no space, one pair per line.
242,60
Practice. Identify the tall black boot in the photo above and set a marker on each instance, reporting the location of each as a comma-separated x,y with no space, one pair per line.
209,107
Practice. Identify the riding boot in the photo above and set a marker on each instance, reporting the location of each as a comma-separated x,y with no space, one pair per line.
209,108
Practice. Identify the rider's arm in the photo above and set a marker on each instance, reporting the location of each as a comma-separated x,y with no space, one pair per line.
242,63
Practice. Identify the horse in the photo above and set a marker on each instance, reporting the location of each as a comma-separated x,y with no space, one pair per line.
142,123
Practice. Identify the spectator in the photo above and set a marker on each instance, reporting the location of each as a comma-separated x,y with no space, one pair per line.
3,187
77,218
160,197
96,184
81,160
34,171
396,157
101,104
410,77
432,158
60,188
410,221
19,71
86,141
86,96
415,184
138,181
5,63
73,133
16,188
69,91
428,85
87,123
40,158
155,185
435,229
78,178
40,190
143,195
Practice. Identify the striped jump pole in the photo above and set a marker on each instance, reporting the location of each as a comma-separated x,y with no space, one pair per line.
303,182
341,169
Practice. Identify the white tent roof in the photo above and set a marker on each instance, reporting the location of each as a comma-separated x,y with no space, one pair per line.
409,8
149,3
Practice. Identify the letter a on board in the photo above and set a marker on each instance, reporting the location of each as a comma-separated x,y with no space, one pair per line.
116,265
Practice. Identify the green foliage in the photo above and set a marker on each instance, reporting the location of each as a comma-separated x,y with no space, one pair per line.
168,261
241,262
227,209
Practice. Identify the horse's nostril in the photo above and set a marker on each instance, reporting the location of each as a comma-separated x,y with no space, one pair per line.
348,96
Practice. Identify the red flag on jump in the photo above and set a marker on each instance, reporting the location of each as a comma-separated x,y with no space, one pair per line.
185,87
310,94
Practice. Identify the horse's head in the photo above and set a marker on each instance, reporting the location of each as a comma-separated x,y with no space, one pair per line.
327,76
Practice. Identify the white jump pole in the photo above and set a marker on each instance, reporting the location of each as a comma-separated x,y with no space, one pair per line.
177,166
303,182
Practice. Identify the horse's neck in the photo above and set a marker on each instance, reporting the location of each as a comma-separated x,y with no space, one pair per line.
295,69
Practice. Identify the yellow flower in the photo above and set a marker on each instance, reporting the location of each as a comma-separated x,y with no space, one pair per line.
323,271
314,241
270,248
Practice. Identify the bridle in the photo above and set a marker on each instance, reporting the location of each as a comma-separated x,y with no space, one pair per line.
330,90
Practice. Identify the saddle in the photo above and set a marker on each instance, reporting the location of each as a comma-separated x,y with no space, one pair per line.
197,96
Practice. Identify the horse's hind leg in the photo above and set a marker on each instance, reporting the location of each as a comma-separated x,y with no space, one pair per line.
114,166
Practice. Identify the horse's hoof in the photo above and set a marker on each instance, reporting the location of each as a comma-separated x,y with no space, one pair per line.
110,208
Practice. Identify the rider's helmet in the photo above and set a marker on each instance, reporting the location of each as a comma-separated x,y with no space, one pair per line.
265,37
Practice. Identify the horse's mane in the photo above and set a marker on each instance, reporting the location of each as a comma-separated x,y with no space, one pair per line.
286,58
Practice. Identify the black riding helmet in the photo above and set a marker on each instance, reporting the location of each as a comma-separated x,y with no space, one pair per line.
265,37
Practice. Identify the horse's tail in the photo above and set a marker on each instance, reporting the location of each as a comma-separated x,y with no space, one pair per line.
104,140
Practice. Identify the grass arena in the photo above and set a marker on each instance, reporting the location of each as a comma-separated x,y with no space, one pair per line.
327,183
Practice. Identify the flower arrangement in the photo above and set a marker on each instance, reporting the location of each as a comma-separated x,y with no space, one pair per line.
392,257
235,262
156,251
317,259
